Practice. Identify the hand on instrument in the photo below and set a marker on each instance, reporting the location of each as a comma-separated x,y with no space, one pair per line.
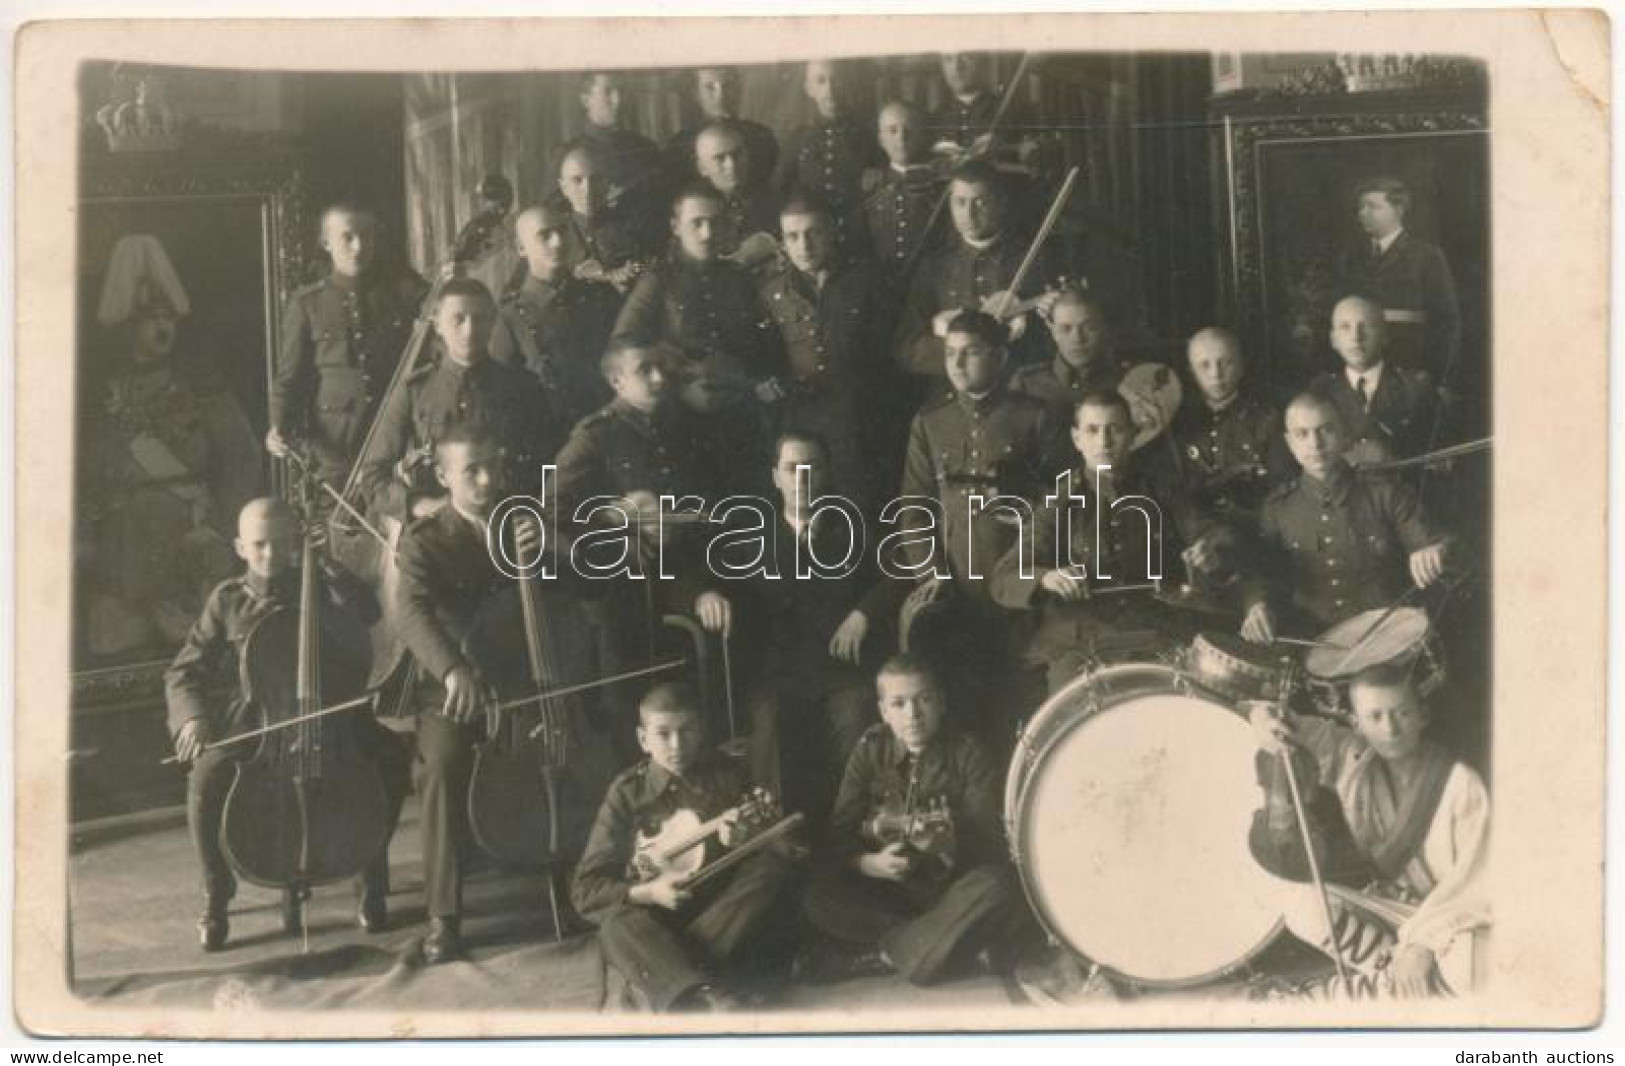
191,740
1259,625
890,863
424,506
1413,971
769,391
466,695
847,643
1202,556
275,443
939,321
1271,729
730,834
663,891
714,612
1063,585
1367,452
1427,565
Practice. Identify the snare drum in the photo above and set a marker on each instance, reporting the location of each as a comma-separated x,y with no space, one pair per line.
1403,637
1232,667
1127,808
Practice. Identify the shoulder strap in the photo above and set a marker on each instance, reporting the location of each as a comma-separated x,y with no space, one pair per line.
1416,816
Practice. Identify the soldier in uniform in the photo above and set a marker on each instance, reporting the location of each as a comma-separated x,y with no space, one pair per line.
1407,277
1084,361
341,339
268,543
555,325
708,309
1338,541
828,156
723,161
815,620
923,912
450,589
977,439
975,271
1387,411
680,949
964,124
466,385
600,242
1084,563
1224,448
716,92
832,319
901,197
631,160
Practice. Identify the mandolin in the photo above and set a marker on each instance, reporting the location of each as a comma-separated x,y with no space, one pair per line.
927,829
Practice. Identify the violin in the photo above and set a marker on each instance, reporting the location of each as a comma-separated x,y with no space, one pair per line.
1276,838
310,807
675,845
621,277
925,830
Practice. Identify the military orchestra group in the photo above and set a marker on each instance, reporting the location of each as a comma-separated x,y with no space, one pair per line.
866,306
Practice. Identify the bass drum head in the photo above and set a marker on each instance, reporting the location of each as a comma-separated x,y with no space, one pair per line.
1132,837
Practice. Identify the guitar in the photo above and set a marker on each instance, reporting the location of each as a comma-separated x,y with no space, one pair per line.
677,846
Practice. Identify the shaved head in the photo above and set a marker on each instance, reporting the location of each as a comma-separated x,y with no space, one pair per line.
260,512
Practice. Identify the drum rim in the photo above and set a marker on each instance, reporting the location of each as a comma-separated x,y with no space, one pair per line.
1026,758
1393,617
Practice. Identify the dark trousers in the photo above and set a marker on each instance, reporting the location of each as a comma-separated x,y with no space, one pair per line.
926,929
668,953
445,759
211,778
800,739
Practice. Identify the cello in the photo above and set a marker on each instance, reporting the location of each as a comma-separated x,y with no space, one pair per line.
310,807
527,807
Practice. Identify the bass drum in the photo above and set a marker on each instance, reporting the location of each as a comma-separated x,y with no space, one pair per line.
1127,809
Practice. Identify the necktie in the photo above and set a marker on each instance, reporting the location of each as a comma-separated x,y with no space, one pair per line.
1365,395
1376,250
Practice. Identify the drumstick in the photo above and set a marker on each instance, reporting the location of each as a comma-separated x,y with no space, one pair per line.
1366,636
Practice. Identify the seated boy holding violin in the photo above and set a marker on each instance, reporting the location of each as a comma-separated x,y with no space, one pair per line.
673,931
210,662
1410,843
915,878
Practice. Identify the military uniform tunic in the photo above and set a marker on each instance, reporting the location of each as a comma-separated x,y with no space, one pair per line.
1226,459
341,340
962,276
897,210
1061,385
505,400
959,446
558,331
1342,546
829,160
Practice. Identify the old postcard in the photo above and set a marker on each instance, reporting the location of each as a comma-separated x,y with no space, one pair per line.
539,527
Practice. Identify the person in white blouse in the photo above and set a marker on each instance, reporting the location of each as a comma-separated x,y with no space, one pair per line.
1421,817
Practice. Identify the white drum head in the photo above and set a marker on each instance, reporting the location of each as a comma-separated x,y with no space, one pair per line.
1134,841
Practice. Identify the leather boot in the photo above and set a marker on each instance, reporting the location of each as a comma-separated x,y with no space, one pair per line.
372,898
444,942
214,923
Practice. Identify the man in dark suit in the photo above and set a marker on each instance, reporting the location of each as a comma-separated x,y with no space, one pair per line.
1408,277
1387,411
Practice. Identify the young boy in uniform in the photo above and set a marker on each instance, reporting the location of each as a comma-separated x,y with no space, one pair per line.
921,910
676,946
268,543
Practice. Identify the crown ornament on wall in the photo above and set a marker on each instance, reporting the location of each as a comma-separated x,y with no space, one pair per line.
137,116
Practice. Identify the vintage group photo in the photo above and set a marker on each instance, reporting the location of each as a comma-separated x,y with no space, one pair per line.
1001,532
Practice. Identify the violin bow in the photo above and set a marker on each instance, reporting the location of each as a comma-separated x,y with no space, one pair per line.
1309,849
347,705
1050,218
582,686
1009,97
304,468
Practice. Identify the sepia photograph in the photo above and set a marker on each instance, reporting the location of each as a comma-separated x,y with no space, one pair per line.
748,526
